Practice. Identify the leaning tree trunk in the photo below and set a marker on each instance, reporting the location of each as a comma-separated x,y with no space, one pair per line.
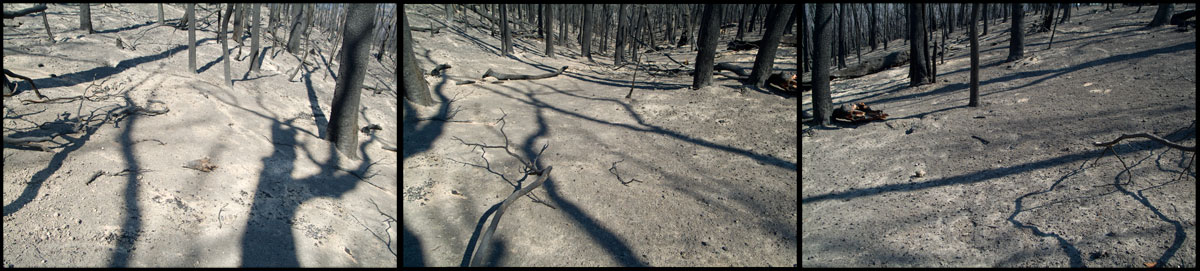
343,126
416,90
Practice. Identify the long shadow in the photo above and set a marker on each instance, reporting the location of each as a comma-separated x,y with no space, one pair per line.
131,27
478,43
131,228
414,256
268,240
98,73
1076,258
209,65
420,139
35,183
617,249
762,159
328,66
315,105
1047,74
979,176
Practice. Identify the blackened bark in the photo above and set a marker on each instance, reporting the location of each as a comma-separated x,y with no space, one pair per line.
343,125
1016,45
586,44
548,20
225,43
191,18
254,41
1161,16
622,25
709,31
974,57
85,18
822,33
765,59
297,31
918,69
416,90
505,33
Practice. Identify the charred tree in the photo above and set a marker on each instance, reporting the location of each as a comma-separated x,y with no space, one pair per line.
46,23
741,31
1016,45
841,36
822,101
918,68
299,25
765,59
1162,15
343,125
801,38
548,27
622,25
254,43
416,90
225,42
505,32
191,18
974,57
85,18
707,40
871,33
585,45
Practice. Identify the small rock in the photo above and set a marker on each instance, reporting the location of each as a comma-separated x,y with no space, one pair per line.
920,173
725,249
704,243
79,221
57,214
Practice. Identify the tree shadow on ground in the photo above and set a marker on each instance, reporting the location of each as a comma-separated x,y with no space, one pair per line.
979,176
106,71
1073,253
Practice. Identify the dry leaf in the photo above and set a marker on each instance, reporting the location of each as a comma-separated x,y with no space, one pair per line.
1150,264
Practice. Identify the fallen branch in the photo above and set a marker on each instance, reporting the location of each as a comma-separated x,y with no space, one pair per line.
503,76
23,12
35,89
432,30
613,170
730,67
1148,136
438,70
484,242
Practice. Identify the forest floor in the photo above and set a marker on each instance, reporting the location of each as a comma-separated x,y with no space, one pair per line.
1015,182
277,196
715,167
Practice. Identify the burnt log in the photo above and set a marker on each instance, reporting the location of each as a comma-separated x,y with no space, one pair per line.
1181,18
738,45
730,67
433,30
505,76
438,70
9,90
23,12
868,66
